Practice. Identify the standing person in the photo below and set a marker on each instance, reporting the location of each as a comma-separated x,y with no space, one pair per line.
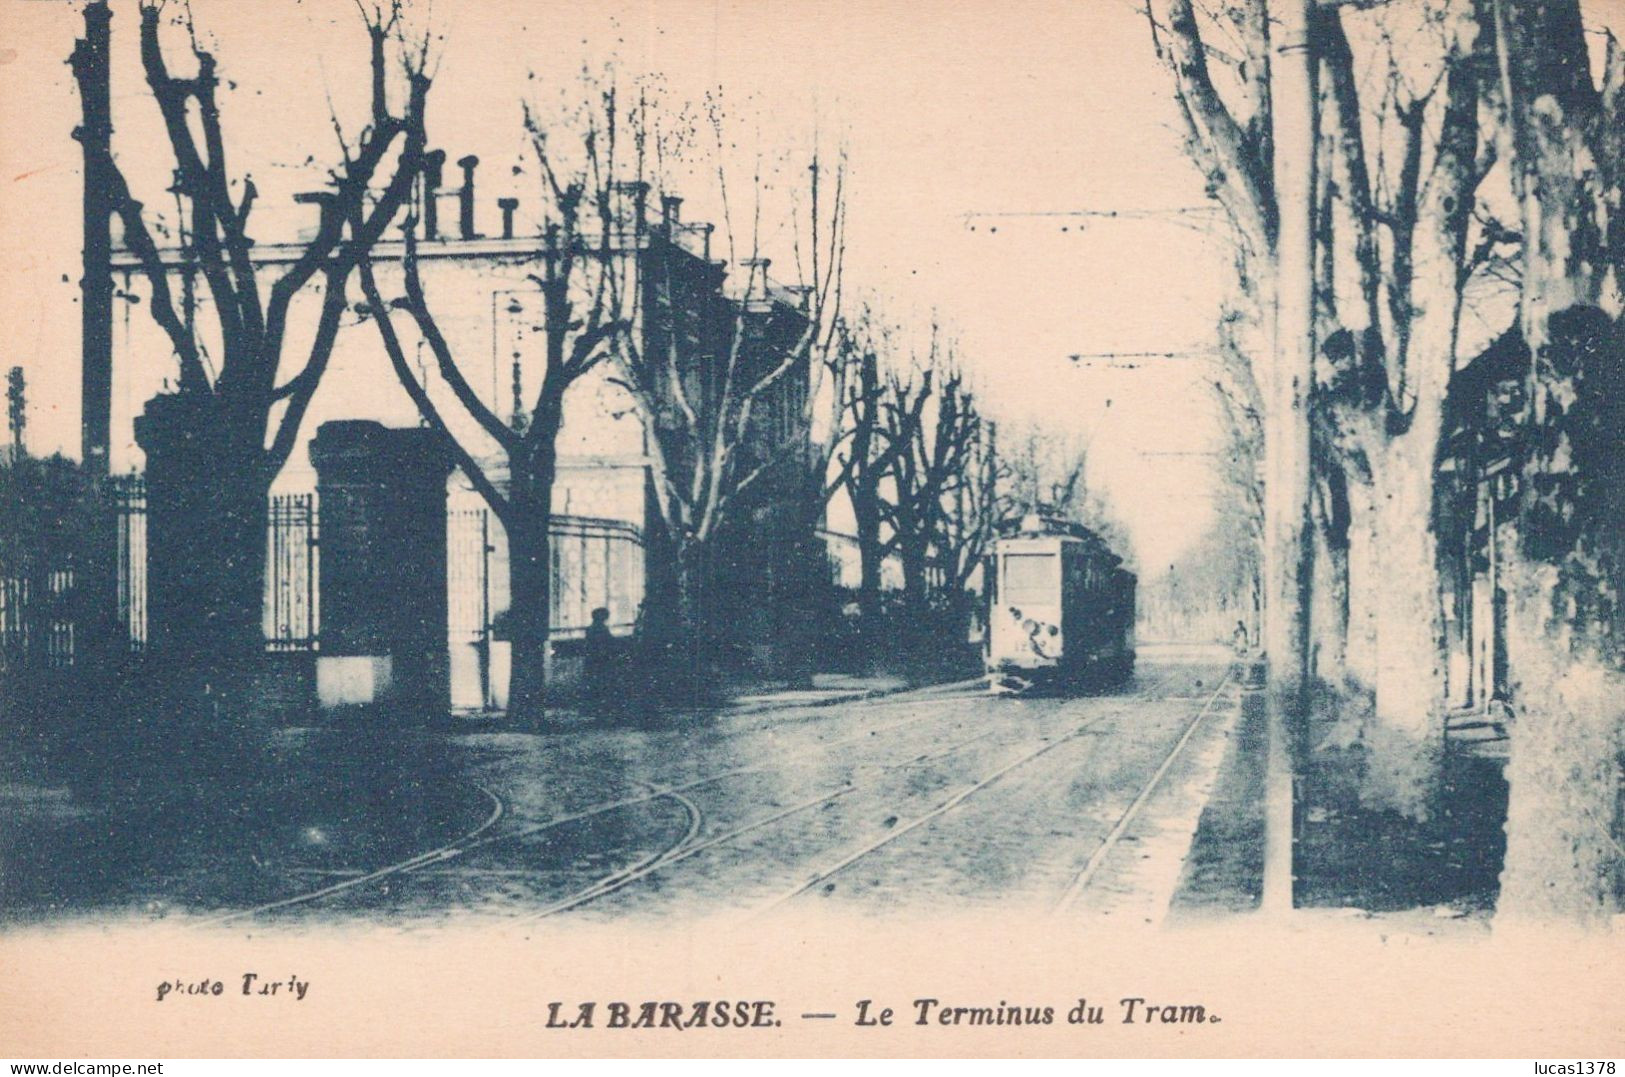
598,662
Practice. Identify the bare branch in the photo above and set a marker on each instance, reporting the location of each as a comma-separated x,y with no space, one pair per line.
417,305
380,312
1242,179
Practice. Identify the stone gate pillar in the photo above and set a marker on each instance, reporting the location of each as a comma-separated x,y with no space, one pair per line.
184,544
382,496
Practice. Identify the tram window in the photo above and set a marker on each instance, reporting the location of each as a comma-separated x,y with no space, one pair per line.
1031,579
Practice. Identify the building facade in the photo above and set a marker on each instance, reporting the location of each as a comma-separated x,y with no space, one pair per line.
484,296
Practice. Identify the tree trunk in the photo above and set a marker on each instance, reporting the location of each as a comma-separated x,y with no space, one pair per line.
1329,607
915,585
1365,566
1563,570
1563,853
1563,581
529,589
529,581
870,559
1404,741
691,668
1405,738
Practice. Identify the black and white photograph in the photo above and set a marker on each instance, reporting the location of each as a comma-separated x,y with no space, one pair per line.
1067,508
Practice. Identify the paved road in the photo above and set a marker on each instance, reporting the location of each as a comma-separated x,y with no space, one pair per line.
944,799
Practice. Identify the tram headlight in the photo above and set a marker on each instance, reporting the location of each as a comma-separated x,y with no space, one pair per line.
1029,626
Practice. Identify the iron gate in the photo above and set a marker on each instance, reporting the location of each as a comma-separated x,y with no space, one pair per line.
595,563
290,607
291,601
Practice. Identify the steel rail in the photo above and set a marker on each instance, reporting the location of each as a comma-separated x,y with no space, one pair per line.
940,810
472,839
439,853
1085,876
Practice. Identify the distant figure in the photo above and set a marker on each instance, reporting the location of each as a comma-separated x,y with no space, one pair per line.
1239,638
598,661
852,632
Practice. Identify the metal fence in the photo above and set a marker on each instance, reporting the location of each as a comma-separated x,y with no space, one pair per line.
39,594
36,620
37,610
292,614
129,494
595,563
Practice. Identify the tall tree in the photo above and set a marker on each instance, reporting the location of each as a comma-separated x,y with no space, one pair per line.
1565,573
1404,202
726,384
242,419
586,257
1240,464
1253,143
938,470
864,457
1040,472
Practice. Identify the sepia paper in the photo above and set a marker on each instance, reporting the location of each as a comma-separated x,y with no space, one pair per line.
1017,189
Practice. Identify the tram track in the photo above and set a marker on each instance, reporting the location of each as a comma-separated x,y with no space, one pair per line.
610,884
499,808
1092,866
682,850
1085,876
689,843
946,806
619,878
478,838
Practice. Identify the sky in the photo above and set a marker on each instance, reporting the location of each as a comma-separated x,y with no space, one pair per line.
987,146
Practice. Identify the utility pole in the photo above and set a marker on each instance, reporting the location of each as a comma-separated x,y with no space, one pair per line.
97,572
91,55
1287,550
17,410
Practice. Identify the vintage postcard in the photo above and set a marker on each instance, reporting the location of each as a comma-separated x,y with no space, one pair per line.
1082,528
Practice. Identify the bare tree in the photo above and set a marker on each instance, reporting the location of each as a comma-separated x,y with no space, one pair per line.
727,383
975,508
1246,131
1388,356
1046,474
1240,465
865,456
242,418
1564,137
930,420
586,255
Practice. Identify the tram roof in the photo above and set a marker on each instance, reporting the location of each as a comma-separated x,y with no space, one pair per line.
1034,526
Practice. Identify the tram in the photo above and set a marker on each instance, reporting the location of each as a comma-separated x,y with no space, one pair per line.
1060,608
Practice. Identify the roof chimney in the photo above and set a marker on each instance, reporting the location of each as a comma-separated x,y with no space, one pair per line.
507,205
466,195
433,165
671,207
